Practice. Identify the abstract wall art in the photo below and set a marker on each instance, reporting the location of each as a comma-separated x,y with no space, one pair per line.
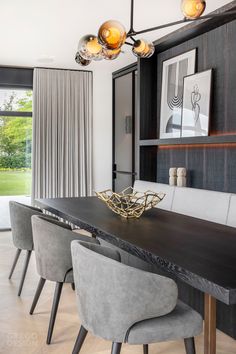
173,73
196,104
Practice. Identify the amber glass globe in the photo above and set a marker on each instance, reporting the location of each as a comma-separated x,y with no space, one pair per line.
89,48
143,48
81,61
193,9
111,35
110,54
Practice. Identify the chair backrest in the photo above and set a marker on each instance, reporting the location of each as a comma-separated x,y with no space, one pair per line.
166,203
112,296
52,240
20,216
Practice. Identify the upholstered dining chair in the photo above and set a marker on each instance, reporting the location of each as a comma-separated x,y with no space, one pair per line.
20,216
52,245
130,305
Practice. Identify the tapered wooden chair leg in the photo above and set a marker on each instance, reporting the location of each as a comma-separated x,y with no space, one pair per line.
73,286
80,340
56,299
27,259
145,349
18,251
37,294
116,348
190,346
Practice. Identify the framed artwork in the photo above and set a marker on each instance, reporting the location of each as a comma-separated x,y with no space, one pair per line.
196,104
173,72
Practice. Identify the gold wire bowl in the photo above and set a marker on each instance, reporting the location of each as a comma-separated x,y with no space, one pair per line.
130,204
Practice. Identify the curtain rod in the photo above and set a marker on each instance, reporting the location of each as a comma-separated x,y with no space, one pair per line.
42,67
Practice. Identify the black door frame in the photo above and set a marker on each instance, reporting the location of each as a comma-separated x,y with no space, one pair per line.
117,74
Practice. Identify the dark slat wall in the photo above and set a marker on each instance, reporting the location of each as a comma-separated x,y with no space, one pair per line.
148,171
208,167
211,167
147,70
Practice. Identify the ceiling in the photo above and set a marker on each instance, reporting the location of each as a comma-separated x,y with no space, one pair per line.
46,32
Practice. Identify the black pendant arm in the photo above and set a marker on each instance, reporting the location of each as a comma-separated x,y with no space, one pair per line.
129,44
131,30
133,39
185,20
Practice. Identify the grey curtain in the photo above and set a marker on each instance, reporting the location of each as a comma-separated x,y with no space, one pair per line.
62,134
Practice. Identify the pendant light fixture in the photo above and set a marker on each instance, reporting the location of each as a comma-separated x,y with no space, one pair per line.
192,9
111,54
112,35
143,49
89,48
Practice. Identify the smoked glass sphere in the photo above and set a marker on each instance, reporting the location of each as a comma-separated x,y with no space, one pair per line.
193,9
110,54
143,48
112,35
89,48
81,61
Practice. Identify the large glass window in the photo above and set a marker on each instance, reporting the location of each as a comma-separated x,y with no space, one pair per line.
15,149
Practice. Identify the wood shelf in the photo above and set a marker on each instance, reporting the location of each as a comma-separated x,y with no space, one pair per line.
201,140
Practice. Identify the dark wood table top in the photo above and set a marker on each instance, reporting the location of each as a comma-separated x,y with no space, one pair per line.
201,253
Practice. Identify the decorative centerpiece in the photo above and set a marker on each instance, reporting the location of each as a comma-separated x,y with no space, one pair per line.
130,203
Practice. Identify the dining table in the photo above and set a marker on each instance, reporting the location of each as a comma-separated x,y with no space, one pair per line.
198,252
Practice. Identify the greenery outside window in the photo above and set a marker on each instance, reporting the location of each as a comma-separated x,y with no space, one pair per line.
15,141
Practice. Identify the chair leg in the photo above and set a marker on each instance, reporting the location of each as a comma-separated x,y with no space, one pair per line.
27,259
37,295
73,286
80,340
190,346
56,299
145,349
18,251
116,348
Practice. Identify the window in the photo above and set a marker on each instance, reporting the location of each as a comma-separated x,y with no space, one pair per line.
15,149
15,142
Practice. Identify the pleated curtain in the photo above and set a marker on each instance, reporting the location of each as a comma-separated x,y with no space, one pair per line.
62,134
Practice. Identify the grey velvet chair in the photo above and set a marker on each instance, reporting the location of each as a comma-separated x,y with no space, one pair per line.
123,304
52,245
20,216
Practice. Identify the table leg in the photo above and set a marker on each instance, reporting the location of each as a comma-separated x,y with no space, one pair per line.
210,325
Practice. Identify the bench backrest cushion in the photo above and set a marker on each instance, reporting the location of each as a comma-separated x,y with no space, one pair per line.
166,203
204,204
231,220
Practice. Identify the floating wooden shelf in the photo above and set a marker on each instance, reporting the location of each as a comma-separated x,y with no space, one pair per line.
202,140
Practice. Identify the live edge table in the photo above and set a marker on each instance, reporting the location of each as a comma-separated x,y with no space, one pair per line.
200,253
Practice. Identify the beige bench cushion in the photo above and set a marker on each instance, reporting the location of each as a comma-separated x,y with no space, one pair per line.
202,204
166,203
231,220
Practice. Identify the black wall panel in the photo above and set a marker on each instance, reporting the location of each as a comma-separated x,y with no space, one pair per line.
16,77
208,167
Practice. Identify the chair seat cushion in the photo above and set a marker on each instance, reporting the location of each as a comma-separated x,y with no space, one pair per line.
182,322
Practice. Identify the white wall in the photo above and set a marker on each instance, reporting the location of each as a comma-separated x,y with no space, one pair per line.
102,129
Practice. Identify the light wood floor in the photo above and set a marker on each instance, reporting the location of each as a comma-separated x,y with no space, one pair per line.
21,333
